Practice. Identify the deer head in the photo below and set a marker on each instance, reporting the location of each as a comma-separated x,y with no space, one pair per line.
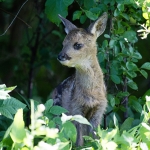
79,46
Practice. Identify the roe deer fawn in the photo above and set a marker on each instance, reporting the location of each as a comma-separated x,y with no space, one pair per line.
84,92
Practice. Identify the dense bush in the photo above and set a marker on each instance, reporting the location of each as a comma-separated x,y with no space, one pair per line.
49,130
28,60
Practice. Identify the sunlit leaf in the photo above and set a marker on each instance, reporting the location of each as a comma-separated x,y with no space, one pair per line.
81,119
18,131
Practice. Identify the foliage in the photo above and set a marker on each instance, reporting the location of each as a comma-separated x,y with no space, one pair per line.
125,136
8,104
43,133
145,4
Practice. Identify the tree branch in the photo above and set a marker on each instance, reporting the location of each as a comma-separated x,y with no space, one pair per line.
17,17
14,18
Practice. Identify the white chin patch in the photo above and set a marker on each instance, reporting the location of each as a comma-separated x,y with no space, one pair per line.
67,63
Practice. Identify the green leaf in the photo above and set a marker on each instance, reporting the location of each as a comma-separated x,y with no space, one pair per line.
4,110
136,105
81,119
115,120
120,7
57,110
105,44
116,50
125,16
111,99
69,131
144,73
131,66
83,18
132,20
112,43
18,131
91,15
10,107
146,66
9,89
130,36
77,14
131,74
88,4
55,7
137,55
116,12
115,79
13,102
48,105
107,36
127,124
57,120
132,85
111,134
122,94
148,102
145,15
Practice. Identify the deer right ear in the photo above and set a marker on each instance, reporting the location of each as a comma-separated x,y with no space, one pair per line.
68,25
98,27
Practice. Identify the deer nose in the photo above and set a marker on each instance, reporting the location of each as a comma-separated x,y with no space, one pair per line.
63,57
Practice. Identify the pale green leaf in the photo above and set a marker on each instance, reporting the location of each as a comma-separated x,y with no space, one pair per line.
144,73
81,119
65,118
18,128
146,66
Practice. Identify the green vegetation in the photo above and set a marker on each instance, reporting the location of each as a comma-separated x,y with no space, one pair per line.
28,60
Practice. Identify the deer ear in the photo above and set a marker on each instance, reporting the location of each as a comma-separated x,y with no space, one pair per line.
98,27
68,25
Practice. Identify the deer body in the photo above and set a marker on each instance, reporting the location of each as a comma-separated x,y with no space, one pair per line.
84,92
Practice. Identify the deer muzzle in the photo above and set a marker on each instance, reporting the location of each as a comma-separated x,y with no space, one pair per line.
63,57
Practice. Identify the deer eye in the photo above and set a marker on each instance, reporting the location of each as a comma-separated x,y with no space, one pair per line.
77,46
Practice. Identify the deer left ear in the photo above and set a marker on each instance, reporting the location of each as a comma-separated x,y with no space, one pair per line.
68,25
98,27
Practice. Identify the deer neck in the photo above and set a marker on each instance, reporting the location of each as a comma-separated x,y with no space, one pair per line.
89,75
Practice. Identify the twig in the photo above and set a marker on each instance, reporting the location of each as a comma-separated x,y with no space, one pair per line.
14,18
17,17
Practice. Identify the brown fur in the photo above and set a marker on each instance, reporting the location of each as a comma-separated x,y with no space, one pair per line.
84,92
